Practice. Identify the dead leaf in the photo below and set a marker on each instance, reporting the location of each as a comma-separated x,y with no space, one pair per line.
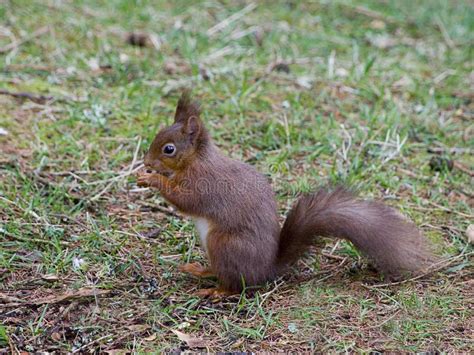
150,338
378,25
470,233
153,233
190,340
50,277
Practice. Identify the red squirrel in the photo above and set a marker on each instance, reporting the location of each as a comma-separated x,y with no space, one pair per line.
236,215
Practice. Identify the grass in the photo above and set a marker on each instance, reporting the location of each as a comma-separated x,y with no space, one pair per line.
367,93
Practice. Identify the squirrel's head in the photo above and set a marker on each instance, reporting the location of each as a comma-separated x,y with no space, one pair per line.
178,145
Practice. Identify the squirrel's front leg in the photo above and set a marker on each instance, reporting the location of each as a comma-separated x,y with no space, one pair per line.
162,184
177,194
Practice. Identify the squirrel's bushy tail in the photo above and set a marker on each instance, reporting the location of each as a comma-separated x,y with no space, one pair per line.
390,240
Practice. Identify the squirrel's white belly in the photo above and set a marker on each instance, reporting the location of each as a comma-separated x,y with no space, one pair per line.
202,226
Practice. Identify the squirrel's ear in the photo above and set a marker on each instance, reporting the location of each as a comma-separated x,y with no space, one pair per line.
193,128
186,108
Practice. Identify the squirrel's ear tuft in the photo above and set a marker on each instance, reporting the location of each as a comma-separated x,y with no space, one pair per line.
188,114
186,108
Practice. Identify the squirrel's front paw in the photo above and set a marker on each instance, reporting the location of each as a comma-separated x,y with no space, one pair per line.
144,179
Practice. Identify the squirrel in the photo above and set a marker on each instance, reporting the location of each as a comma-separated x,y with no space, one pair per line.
235,213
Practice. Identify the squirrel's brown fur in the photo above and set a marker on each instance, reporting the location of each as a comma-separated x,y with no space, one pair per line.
243,240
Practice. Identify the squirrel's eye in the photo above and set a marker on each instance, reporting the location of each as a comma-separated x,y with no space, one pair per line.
169,149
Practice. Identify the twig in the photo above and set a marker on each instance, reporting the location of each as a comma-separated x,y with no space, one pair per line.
39,32
15,67
441,265
464,169
332,256
409,173
30,240
371,13
12,348
9,299
450,210
234,17
237,34
135,155
30,212
158,208
80,172
384,321
265,297
453,150
335,246
439,78
444,32
121,175
83,292
130,171
40,99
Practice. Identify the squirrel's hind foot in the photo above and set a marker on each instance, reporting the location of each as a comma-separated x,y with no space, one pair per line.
215,292
196,269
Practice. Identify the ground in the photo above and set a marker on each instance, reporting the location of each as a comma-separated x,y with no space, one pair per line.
377,95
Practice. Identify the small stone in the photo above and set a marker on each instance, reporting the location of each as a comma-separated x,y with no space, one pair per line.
341,72
124,58
292,328
281,67
137,39
205,73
